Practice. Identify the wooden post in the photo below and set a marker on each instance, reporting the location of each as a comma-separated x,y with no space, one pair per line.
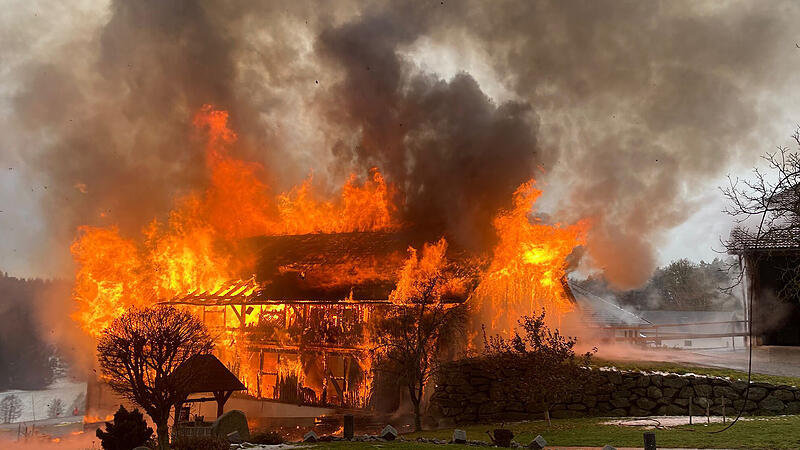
649,441
349,426
691,400
346,365
723,409
260,372
708,411
178,408
221,397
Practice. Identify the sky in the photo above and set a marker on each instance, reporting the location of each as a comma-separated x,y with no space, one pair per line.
631,114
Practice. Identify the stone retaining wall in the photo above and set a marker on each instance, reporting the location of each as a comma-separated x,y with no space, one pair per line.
466,391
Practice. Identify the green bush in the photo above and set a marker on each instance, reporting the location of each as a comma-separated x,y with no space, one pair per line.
126,432
267,438
200,443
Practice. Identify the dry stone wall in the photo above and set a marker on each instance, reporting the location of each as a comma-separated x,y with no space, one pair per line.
468,391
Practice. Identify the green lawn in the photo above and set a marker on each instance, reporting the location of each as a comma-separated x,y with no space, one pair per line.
761,433
387,445
681,368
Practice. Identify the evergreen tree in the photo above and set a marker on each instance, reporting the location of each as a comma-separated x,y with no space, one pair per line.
10,408
128,431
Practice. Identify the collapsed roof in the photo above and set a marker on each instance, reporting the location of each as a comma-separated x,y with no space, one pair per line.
358,266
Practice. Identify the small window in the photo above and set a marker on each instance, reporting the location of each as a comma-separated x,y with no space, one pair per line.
687,343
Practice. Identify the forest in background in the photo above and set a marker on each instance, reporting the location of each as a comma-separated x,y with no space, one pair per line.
29,357
681,285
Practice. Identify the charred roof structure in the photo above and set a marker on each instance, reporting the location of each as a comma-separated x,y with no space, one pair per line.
360,266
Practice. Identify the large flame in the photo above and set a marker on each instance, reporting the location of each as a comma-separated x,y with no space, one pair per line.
192,249
425,278
528,266
197,248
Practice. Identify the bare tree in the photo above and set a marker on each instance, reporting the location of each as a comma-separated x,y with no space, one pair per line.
772,195
10,408
410,338
141,349
766,208
55,408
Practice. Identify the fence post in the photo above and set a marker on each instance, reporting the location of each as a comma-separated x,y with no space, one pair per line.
723,409
649,441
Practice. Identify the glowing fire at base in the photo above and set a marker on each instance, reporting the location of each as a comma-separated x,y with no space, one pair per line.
199,248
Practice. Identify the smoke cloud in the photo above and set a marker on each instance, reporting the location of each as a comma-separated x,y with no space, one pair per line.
456,154
626,107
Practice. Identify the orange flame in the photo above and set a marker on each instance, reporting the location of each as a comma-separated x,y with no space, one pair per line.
192,249
425,278
195,248
528,265
96,419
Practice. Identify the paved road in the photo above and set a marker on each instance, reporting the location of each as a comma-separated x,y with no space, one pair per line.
784,361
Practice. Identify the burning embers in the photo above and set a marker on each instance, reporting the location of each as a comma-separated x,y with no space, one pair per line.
322,268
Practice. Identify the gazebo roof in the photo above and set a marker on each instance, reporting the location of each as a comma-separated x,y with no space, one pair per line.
205,373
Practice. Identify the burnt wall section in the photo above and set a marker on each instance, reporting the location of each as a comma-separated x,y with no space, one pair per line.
467,391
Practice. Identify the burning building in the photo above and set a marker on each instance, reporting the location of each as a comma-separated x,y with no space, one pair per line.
298,329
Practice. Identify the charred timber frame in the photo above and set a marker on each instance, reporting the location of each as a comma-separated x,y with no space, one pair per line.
242,295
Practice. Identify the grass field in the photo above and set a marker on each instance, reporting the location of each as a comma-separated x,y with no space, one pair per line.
684,368
759,433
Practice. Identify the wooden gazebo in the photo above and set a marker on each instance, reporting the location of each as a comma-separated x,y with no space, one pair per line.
205,374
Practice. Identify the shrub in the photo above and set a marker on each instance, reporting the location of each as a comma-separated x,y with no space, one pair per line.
126,432
547,355
267,438
200,443
56,408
